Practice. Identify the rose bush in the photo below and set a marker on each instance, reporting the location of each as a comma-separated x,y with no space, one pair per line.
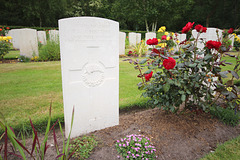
187,80
4,45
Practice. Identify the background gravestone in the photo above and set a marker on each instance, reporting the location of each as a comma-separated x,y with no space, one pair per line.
42,37
14,33
122,37
201,38
138,37
212,34
28,42
89,49
54,35
231,37
132,38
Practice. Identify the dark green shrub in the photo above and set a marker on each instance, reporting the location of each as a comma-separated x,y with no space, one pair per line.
50,51
226,115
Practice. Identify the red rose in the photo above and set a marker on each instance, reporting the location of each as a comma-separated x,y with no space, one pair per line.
130,53
204,29
213,44
148,76
188,26
169,63
200,28
155,50
7,28
230,30
164,37
0,29
153,41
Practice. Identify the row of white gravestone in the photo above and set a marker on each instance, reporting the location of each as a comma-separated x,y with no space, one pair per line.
26,40
211,34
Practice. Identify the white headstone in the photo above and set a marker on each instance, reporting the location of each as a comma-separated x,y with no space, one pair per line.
212,34
149,35
89,49
132,38
201,38
54,35
42,37
138,39
182,37
122,37
28,42
231,37
14,33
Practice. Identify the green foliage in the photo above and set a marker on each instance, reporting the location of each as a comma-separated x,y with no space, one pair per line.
83,146
39,148
4,30
226,115
4,48
136,147
236,45
50,51
22,58
140,49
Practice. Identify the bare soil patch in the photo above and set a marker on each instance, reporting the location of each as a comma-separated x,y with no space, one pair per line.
176,137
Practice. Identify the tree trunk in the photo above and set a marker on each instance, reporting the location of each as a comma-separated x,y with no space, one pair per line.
154,26
146,23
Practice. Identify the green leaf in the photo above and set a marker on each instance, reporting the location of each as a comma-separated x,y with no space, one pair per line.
143,61
208,56
181,92
170,81
183,98
172,108
148,71
180,65
235,74
192,65
224,74
166,87
185,46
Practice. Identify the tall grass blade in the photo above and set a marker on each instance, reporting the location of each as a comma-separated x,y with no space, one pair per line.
55,142
17,155
5,146
35,133
23,147
34,144
68,140
12,137
60,126
2,136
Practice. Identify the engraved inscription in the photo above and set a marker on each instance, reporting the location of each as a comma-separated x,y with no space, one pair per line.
93,75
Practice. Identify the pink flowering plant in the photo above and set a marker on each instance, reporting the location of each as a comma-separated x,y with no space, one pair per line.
136,147
191,78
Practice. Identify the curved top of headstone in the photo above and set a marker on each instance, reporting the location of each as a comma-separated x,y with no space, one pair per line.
27,29
84,18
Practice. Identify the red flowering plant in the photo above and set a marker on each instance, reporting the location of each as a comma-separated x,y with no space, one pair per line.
4,31
186,80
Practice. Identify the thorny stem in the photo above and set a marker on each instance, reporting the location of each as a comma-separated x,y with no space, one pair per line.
195,44
140,73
